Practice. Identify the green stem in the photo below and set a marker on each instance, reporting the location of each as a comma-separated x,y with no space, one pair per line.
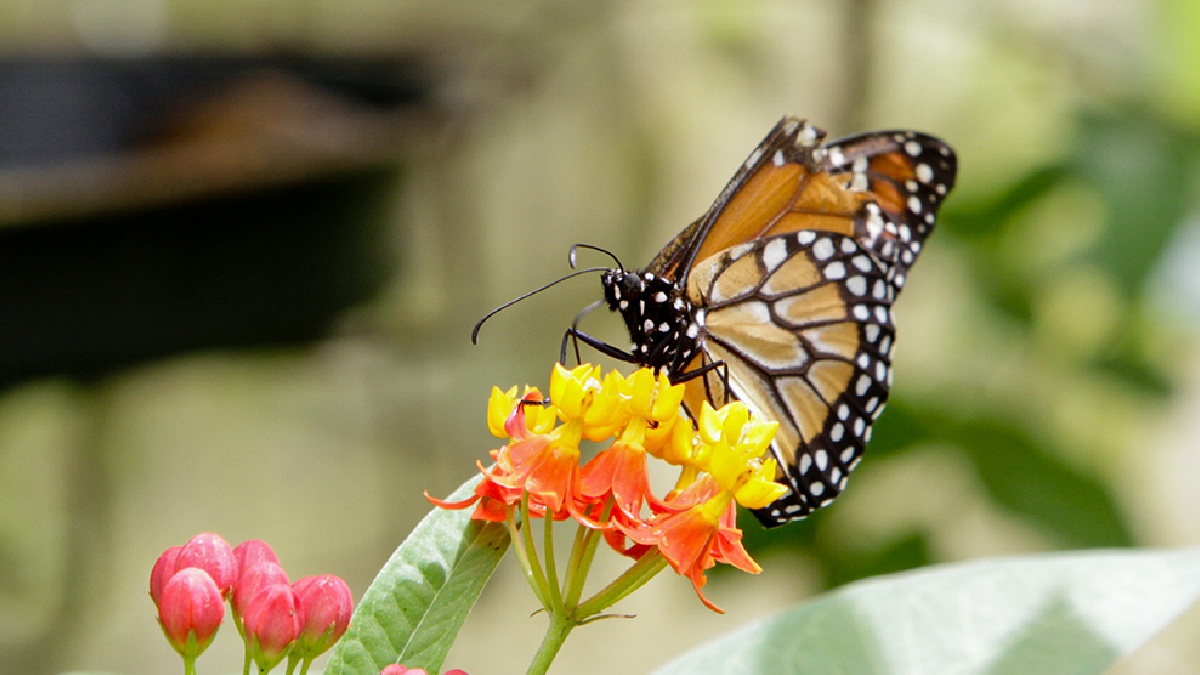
189,666
533,568
573,584
630,580
582,553
523,557
246,660
556,634
551,565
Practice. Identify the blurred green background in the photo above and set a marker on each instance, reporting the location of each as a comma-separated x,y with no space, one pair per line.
243,245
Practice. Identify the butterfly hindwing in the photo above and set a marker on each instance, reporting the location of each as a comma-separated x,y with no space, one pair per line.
802,323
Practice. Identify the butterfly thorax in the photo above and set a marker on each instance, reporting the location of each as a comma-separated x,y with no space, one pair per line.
663,325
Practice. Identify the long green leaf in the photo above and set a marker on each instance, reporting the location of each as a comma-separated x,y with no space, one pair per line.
417,604
1074,613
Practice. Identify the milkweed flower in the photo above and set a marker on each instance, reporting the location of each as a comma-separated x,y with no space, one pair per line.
621,469
212,554
251,581
697,528
164,568
326,605
272,620
537,473
251,552
398,669
190,610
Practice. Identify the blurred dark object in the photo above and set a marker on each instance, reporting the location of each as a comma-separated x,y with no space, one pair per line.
154,206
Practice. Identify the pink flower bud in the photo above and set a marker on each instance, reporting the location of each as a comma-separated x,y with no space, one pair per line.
253,580
190,611
326,604
164,569
253,551
272,620
398,669
212,554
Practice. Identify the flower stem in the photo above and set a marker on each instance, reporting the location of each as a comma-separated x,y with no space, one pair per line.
551,565
189,666
528,555
556,634
630,580
582,552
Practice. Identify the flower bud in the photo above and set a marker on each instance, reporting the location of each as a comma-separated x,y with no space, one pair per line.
326,604
251,552
272,620
212,554
164,569
190,610
399,669
250,582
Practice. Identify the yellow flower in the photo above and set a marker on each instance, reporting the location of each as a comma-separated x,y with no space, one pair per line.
760,488
571,391
500,406
609,409
734,443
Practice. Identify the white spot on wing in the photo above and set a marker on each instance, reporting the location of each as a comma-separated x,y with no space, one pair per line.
823,249
774,254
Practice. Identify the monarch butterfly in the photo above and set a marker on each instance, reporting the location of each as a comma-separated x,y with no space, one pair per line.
781,294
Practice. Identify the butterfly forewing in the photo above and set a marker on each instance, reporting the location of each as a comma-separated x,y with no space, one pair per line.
802,322
907,175
780,188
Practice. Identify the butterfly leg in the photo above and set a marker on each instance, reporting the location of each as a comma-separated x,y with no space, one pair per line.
703,371
577,336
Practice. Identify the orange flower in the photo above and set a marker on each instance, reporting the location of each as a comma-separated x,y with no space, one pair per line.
493,501
619,472
697,531
543,466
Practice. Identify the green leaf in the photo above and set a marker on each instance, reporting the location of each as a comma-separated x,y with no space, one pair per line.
417,604
1071,613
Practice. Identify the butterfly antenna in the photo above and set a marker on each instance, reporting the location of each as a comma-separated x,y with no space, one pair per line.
576,247
510,303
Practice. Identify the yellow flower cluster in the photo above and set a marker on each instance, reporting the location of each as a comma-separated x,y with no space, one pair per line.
645,409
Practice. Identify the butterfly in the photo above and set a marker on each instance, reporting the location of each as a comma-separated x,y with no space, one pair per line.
781,295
